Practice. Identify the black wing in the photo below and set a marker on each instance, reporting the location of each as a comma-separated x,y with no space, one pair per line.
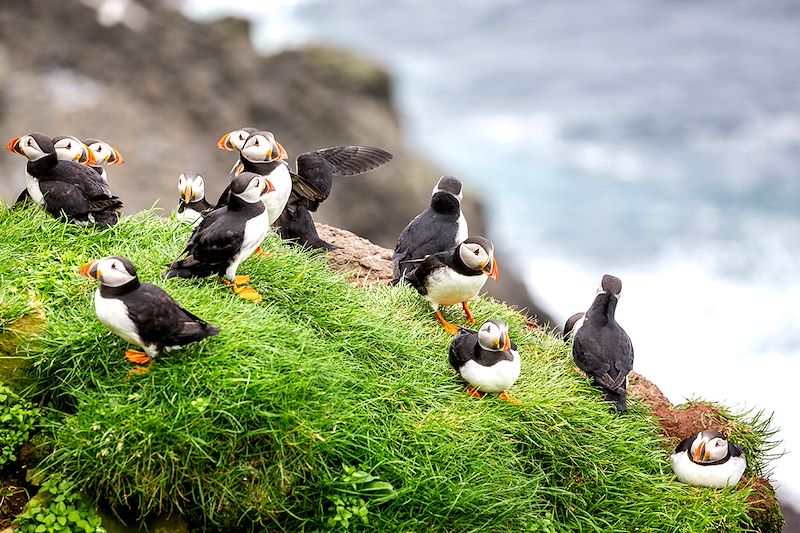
429,233
162,321
599,353
84,178
685,445
311,183
417,277
462,348
212,244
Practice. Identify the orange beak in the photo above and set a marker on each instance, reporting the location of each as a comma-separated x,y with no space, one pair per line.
86,268
699,453
91,160
239,169
224,143
282,155
115,158
507,343
493,271
269,186
13,146
187,194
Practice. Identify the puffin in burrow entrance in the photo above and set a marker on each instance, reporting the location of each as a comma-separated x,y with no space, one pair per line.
455,276
440,227
141,313
708,460
65,188
486,359
227,236
308,186
601,348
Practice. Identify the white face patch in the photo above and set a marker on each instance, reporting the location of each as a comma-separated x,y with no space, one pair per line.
101,152
258,149
489,336
252,193
474,255
237,138
31,148
69,149
112,273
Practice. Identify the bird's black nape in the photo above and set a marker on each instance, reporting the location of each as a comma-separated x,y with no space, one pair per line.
611,284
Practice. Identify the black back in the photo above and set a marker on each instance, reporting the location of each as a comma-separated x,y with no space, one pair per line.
603,350
418,278
432,231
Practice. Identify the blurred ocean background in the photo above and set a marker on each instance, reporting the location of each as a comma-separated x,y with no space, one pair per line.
657,140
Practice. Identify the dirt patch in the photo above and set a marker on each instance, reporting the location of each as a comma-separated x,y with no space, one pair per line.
363,262
13,498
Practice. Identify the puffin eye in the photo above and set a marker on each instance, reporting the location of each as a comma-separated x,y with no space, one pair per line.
29,143
476,252
256,143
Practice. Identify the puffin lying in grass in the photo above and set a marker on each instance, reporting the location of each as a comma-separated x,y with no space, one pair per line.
708,460
229,235
141,313
486,359
455,276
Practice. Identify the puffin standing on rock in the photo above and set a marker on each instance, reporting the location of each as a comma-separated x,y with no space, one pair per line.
192,204
486,359
440,227
228,236
455,276
601,348
65,188
141,313
708,460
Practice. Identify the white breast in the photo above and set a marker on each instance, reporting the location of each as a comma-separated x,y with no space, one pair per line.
448,287
276,200
114,314
496,378
463,231
32,184
255,230
715,476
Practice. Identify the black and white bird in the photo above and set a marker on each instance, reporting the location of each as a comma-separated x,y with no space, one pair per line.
141,313
300,192
233,142
227,236
487,359
573,324
708,460
104,154
440,227
65,188
601,348
192,204
455,276
68,148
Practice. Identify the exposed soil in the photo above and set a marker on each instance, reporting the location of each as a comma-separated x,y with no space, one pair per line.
13,498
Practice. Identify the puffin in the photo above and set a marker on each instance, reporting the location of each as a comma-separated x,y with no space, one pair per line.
300,192
65,187
192,204
708,460
229,235
68,148
233,141
486,359
601,348
103,153
141,313
573,324
440,227
455,276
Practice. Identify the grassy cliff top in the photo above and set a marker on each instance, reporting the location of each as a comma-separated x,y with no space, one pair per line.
276,421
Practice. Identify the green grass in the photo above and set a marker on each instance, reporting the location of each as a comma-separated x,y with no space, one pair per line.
255,426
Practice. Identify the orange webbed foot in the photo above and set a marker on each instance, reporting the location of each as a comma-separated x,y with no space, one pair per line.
508,398
475,393
448,327
135,356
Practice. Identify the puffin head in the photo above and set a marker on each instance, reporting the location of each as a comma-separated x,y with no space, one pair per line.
708,447
103,153
250,187
493,336
449,184
34,146
610,285
112,271
261,147
478,254
69,148
234,140
191,187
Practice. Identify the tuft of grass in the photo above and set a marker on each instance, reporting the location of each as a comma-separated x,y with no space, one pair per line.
252,429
